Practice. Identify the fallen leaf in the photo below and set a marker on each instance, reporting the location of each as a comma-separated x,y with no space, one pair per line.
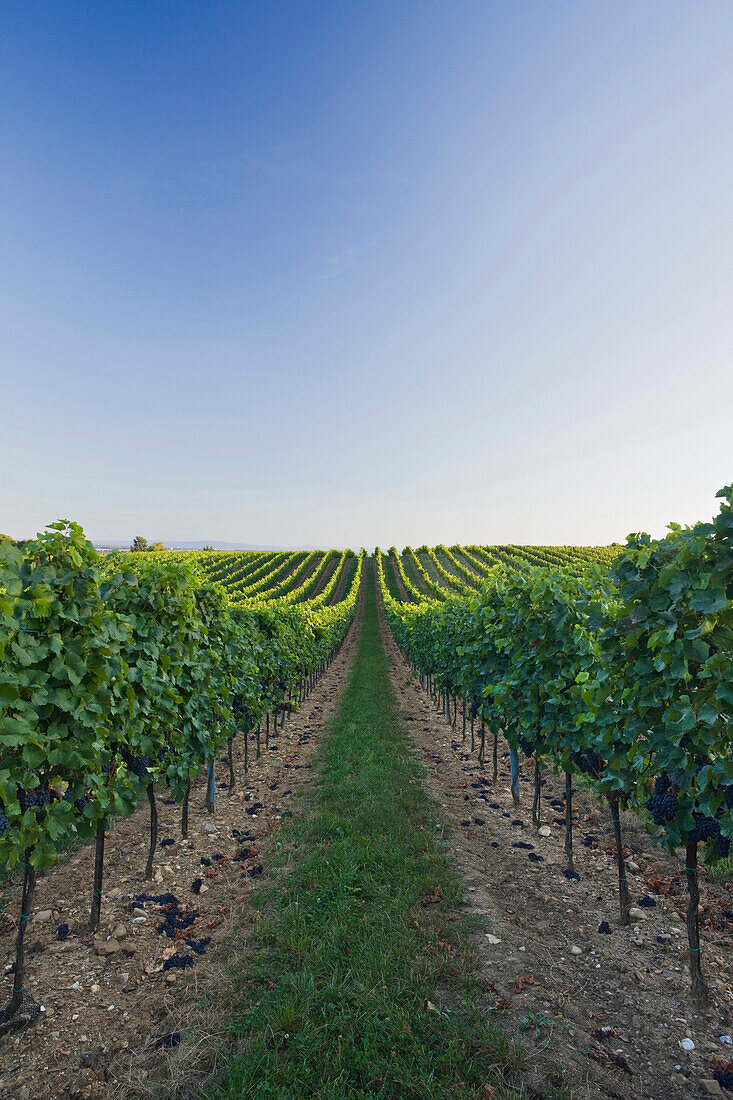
522,981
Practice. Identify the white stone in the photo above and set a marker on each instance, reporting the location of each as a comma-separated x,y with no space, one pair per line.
636,913
545,831
491,939
575,950
687,1044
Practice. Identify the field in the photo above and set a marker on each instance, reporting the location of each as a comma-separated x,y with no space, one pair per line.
450,822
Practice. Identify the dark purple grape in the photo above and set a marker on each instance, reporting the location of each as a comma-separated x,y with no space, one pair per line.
178,961
587,761
33,798
724,1077
663,808
139,765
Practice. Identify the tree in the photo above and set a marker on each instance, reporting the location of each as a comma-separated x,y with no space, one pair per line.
156,546
207,547
139,544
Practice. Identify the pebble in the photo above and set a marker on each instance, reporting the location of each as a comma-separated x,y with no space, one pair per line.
637,913
119,933
726,1039
575,950
687,1044
44,915
111,947
492,939
210,829
545,831
711,1087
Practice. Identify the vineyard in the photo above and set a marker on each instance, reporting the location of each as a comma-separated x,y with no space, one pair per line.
136,683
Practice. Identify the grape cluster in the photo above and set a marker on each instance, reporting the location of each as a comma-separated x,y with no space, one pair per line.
528,747
663,803
199,946
706,828
175,920
138,765
170,1040
241,714
662,808
176,961
724,1077
4,823
33,799
587,761
79,803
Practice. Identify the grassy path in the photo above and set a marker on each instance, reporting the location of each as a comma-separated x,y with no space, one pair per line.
359,986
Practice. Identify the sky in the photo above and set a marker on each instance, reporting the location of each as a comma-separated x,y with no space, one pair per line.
353,273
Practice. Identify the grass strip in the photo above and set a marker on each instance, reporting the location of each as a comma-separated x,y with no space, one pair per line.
358,985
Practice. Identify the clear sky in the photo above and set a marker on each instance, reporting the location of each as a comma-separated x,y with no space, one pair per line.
346,273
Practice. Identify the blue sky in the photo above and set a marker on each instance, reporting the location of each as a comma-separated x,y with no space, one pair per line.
349,273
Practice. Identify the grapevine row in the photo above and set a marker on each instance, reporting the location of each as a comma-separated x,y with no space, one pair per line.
623,675
123,673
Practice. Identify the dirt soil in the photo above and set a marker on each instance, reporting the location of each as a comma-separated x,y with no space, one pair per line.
111,1013
611,1008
